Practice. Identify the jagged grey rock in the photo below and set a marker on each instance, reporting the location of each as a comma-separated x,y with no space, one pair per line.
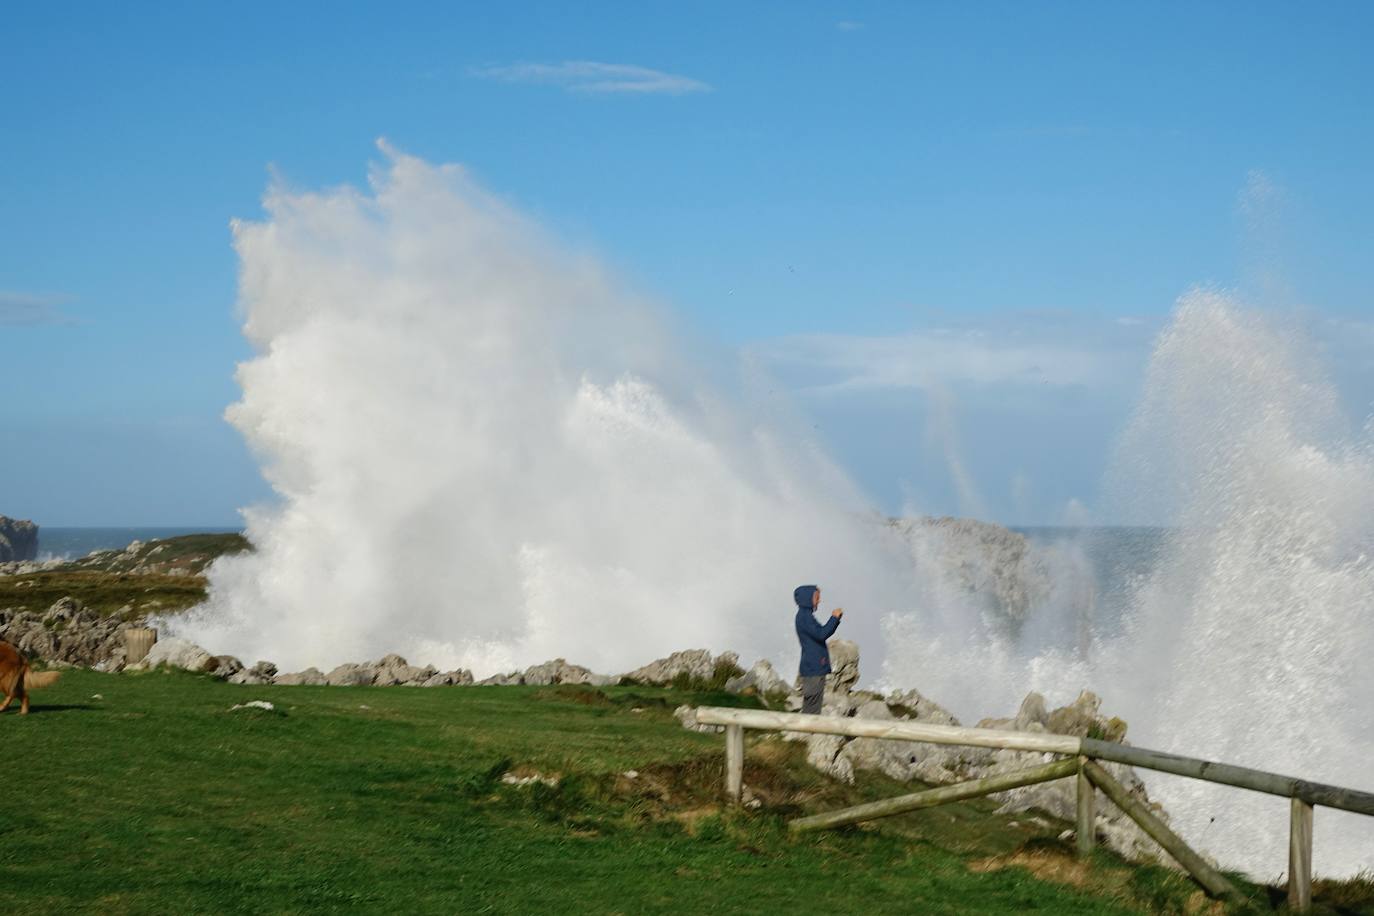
762,678
18,540
224,666
558,671
692,663
844,665
261,673
393,670
996,567
24,567
174,652
310,677
351,674
687,715
459,678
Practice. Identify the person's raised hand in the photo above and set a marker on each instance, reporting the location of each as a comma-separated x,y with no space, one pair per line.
838,612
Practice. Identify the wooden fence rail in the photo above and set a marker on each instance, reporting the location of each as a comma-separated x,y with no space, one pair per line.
1084,751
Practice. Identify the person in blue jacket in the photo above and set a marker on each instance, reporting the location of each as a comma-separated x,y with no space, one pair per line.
815,658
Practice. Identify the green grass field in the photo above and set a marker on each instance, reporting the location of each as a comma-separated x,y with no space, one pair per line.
145,793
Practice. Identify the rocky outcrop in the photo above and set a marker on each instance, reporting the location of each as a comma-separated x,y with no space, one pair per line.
390,671
690,665
67,633
180,653
760,679
185,556
996,567
310,677
25,567
559,671
18,540
687,715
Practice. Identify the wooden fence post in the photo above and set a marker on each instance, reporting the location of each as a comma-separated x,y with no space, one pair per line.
138,641
1300,855
1211,879
1087,825
940,795
734,761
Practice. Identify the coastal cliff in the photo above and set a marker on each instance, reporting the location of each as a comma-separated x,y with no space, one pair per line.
18,540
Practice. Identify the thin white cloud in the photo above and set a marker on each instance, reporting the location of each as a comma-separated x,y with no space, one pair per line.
30,309
849,25
1054,351
596,77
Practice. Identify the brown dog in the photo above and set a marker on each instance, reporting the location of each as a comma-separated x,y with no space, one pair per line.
17,678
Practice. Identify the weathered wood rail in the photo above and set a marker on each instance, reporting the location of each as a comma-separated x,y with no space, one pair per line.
1081,754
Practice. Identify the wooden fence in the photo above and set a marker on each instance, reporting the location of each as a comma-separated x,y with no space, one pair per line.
1080,762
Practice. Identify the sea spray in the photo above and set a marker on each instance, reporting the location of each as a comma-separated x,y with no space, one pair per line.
488,453
1249,636
1251,641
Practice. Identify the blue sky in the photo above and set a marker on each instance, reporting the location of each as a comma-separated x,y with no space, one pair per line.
951,228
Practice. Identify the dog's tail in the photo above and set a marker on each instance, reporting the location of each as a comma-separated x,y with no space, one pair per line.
36,680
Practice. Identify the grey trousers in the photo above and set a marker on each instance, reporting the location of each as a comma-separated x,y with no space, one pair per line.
813,692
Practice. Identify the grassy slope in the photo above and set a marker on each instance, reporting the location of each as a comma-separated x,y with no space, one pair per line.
157,798
161,577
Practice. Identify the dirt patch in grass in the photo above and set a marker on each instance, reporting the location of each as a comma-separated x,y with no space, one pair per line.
1045,863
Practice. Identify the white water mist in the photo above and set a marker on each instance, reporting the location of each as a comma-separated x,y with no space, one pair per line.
487,453
1249,639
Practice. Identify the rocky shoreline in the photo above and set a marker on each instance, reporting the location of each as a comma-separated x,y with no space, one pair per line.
69,634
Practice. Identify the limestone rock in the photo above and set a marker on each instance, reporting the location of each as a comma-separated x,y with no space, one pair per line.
1078,718
844,665
393,670
913,705
761,678
998,569
312,677
224,666
261,673
823,753
558,671
174,652
351,674
459,678
513,679
687,715
24,567
696,664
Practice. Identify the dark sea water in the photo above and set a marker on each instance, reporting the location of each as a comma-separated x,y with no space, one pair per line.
73,543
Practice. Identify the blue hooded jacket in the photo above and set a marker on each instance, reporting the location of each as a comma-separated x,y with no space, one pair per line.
815,660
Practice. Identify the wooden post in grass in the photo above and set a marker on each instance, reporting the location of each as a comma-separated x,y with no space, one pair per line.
734,762
1211,879
938,796
1087,829
1300,856
138,642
